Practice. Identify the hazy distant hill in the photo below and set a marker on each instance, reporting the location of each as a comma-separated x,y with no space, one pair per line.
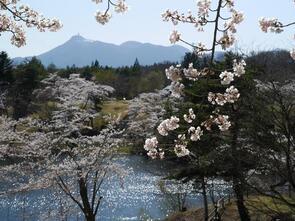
81,52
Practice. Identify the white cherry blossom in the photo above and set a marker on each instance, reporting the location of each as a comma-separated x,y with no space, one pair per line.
168,125
195,133
226,77
174,37
190,117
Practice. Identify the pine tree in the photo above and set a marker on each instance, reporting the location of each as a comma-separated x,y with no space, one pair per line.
6,75
96,64
136,66
27,78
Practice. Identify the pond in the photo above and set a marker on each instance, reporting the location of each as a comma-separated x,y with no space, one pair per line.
139,198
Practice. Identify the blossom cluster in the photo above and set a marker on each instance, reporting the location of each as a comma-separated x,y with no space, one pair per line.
202,18
230,96
275,26
14,16
239,68
174,37
190,117
168,125
180,144
228,38
226,77
271,25
104,17
195,133
176,74
193,74
180,148
222,121
151,147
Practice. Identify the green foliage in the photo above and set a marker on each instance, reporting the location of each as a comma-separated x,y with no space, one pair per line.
52,68
27,78
105,76
195,59
87,73
136,67
6,72
95,64
129,82
65,73
30,73
153,80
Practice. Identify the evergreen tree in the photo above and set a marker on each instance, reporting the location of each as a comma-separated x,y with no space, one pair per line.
218,154
28,77
136,66
6,75
96,64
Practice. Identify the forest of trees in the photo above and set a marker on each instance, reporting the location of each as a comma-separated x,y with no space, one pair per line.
128,81
19,82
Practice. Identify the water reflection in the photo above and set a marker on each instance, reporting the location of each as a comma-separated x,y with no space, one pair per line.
140,197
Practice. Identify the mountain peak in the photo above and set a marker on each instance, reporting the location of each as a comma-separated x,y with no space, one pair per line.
77,37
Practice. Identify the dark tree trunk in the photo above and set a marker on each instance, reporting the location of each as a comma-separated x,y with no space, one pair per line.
205,200
90,217
237,172
87,210
239,192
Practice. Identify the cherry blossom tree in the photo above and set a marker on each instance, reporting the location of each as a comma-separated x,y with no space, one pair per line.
59,153
145,112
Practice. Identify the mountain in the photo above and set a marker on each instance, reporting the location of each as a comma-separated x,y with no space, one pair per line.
81,52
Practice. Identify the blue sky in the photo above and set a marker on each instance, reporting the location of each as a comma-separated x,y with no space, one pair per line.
143,23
